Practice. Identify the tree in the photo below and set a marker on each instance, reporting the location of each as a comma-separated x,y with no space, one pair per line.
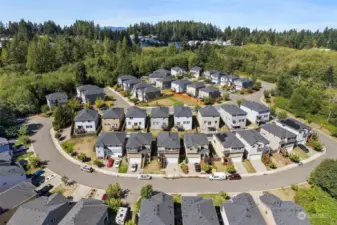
73,104
207,101
114,191
34,161
45,108
317,145
99,102
231,169
196,108
266,94
80,73
284,87
23,130
226,96
146,191
62,116
113,204
294,157
65,180
22,140
329,76
225,195
239,101
171,50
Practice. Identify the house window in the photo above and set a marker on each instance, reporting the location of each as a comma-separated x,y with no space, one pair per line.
205,122
216,122
187,122
129,123
209,123
89,126
140,123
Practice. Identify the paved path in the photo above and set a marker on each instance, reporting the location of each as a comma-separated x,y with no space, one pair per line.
258,165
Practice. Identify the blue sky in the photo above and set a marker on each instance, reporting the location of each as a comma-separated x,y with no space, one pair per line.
263,14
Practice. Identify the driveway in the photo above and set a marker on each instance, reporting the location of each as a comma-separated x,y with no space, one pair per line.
240,168
258,165
120,102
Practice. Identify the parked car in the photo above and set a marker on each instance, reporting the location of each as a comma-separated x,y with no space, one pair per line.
110,162
197,167
117,163
144,177
134,167
45,190
104,197
303,148
234,176
37,174
87,169
218,176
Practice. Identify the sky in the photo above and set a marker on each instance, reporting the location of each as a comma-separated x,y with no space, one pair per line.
261,14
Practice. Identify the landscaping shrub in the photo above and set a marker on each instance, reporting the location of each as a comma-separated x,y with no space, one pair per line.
266,94
99,103
282,115
225,195
97,163
58,135
294,157
294,187
184,168
45,108
271,165
34,161
123,168
207,168
317,145
83,157
231,169
68,147
22,140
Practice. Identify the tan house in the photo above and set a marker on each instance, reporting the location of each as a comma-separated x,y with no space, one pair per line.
112,119
227,145
209,119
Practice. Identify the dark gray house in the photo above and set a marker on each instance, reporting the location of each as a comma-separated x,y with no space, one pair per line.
145,92
157,74
128,84
192,89
168,144
228,145
122,79
110,145
138,147
165,82
89,93
157,210
56,98
243,83
209,92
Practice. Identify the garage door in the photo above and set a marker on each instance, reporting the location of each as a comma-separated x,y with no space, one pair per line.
193,160
236,159
134,160
255,157
172,160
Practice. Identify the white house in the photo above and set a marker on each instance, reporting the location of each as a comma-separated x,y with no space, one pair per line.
256,112
243,83
228,80
160,73
208,73
110,145
233,116
138,147
179,86
192,89
135,118
196,71
122,79
55,99
165,82
216,77
89,93
196,146
128,84
86,121
177,71
301,130
183,117
145,92
159,118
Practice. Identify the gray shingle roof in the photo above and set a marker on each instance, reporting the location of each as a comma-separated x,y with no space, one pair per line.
40,210
5,157
158,210
253,137
159,112
113,113
278,131
198,211
210,72
86,115
110,139
85,212
209,89
182,111
255,106
165,71
229,140
168,140
295,124
167,79
242,210
285,212
232,77
56,95
13,174
90,89
177,68
196,68
135,112
150,89
132,81
137,140
209,111
160,73
196,85
233,110
126,77
141,86
195,139
181,82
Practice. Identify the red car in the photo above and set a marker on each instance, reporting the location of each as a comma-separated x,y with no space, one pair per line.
234,176
110,162
104,197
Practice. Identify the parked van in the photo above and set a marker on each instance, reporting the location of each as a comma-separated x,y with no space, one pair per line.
218,176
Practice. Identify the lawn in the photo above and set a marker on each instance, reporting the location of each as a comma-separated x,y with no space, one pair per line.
249,167
171,100
124,167
218,200
280,160
85,145
66,191
300,153
176,198
220,167
153,168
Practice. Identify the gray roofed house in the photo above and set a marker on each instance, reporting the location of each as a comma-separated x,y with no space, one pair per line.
228,80
56,98
196,146
196,68
122,79
229,140
135,118
159,118
243,83
193,88
43,210
139,141
208,111
278,131
11,174
233,116
255,143
168,140
129,84
4,145
110,144
86,115
301,130
208,118
86,121
183,117
228,145
159,112
6,158
198,211
233,110
87,212
285,212
165,82
160,73
135,112
179,85
145,92
256,112
177,71
255,106
182,111
252,137
89,93
112,119
163,71
157,210
208,73
295,124
113,113
196,85
209,92
241,210
196,71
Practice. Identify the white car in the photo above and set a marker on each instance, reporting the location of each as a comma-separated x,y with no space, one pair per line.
218,176
87,168
117,163
144,177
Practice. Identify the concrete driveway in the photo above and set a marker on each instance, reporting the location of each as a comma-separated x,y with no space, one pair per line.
258,165
240,168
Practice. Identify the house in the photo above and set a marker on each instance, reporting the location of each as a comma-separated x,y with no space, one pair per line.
179,86
135,118
159,118
87,211
255,144
128,84
196,146
209,92
43,210
11,173
177,71
165,82
56,98
4,145
278,137
208,73
196,71
241,210
86,121
284,212
110,145
227,145
145,92
243,83
157,210
89,93
197,210
183,117
137,87
301,130
168,145
138,147
209,119
216,77
192,89
256,112
228,80
112,119
160,73
122,79
233,116
12,198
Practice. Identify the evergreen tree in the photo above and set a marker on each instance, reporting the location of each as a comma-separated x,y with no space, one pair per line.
80,73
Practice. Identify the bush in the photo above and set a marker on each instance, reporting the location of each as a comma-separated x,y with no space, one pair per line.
87,105
207,101
97,163
257,86
266,94
83,157
99,103
317,145
225,195
294,157
231,169
184,168
282,115
68,147
281,102
294,187
123,168
272,165
22,140
226,96
34,161
45,108
146,192
58,135
268,100
207,168
273,92
242,91
239,101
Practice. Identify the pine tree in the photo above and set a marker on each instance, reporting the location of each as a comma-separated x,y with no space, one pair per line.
80,73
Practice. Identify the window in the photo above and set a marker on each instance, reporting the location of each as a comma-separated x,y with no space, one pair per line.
205,122
89,126
129,123
209,123
216,122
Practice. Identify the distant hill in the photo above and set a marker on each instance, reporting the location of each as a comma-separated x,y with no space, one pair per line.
114,28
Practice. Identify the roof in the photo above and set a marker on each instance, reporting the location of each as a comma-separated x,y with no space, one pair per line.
141,86
85,212
90,89
210,72
195,139
168,140
11,174
198,211
229,140
285,212
37,211
86,115
16,195
278,131
56,95
181,82
182,111
167,79
242,210
132,81
135,112
255,106
253,137
139,140
209,89
150,89
196,68
159,112
177,68
165,71
233,110
159,73
244,80
5,157
196,85
113,113
208,111
110,139
127,77
3,141
232,77
157,210
295,124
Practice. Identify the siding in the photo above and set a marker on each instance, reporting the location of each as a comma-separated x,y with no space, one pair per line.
131,122
185,122
157,123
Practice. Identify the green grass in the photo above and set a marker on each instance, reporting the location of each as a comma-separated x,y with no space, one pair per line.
175,101
300,153
24,156
124,167
217,198
249,167
176,198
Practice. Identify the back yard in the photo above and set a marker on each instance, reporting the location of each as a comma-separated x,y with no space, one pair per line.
84,145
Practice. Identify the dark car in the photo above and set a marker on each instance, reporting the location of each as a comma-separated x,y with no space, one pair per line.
197,167
37,174
303,148
234,176
45,190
